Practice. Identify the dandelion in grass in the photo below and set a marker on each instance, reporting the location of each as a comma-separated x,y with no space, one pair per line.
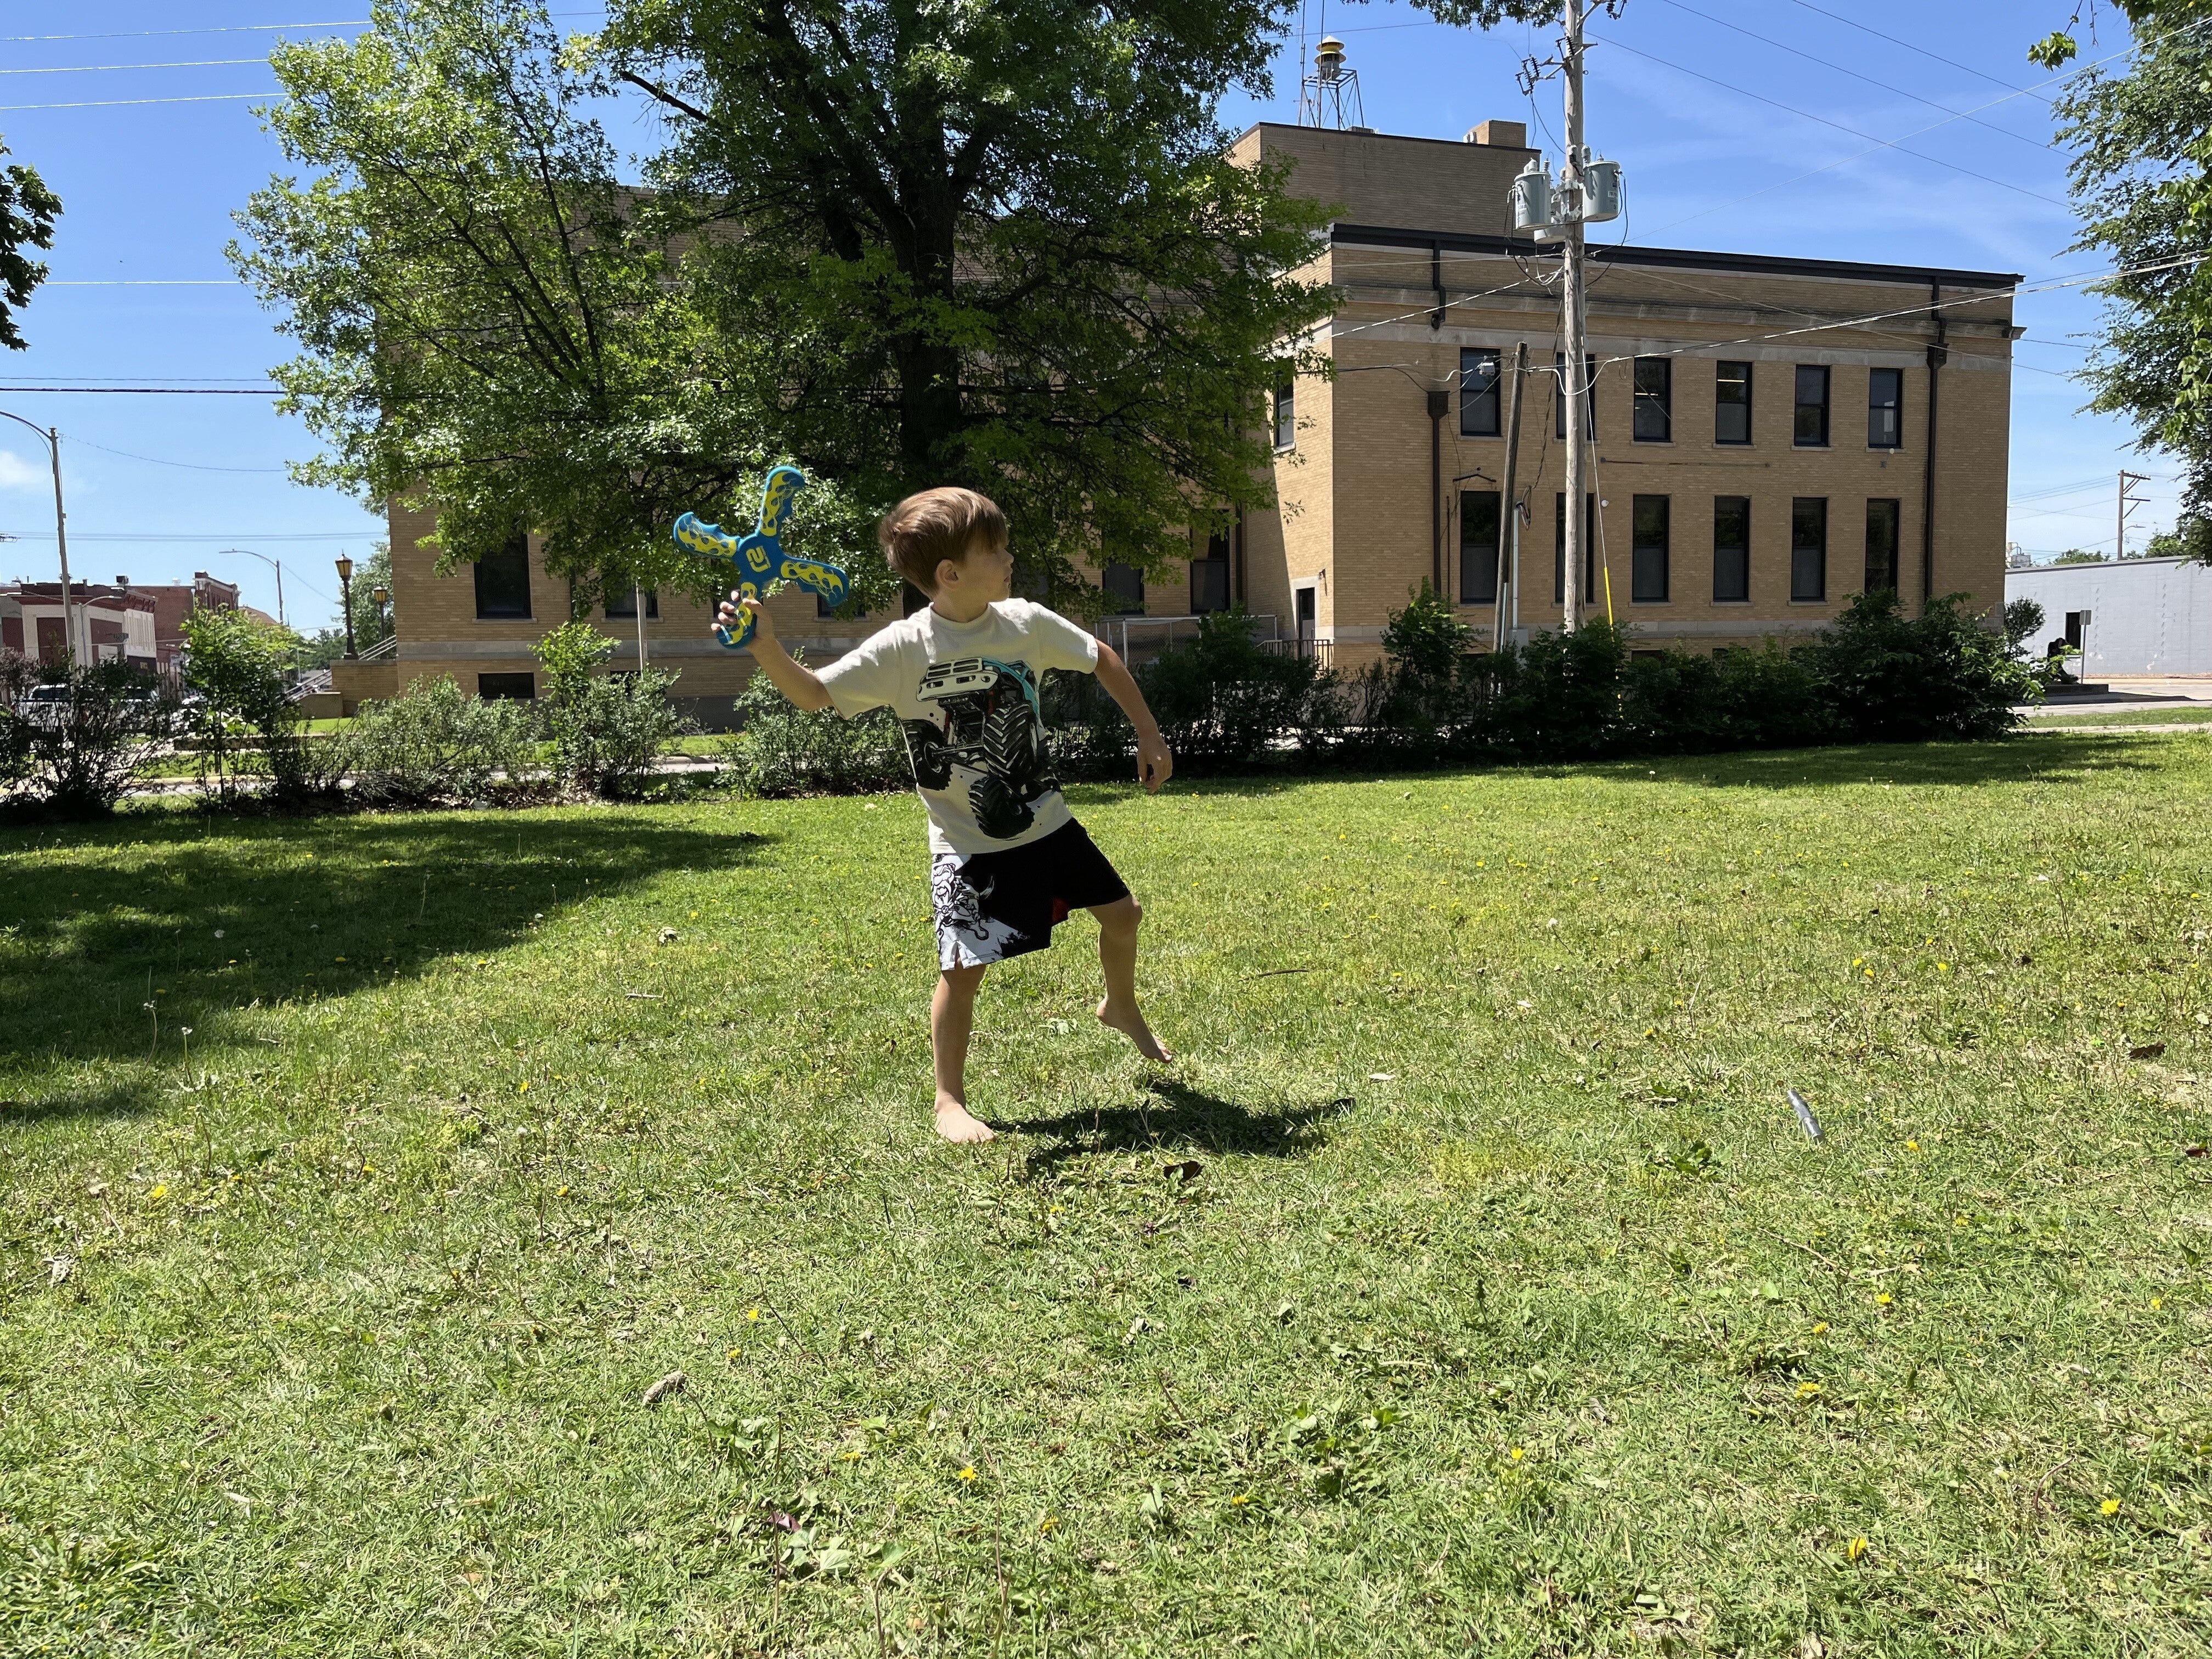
1856,1548
2110,1506
1807,1390
968,1473
161,1190
1820,1328
1912,1145
1883,1300
753,1314
1514,1455
1052,1521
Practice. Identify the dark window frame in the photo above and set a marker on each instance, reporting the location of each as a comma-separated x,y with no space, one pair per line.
1648,577
1115,579
1732,559
1808,557
1479,560
1889,563
1825,380
1480,414
1891,413
629,599
1652,420
1286,415
1215,568
1721,379
502,582
516,687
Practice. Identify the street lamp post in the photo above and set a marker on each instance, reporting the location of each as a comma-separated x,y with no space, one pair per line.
345,588
53,438
276,565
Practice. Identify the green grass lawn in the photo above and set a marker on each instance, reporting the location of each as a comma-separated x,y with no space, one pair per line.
1468,1286
2180,714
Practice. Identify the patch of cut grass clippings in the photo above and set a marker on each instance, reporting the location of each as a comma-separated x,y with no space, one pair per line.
1470,1285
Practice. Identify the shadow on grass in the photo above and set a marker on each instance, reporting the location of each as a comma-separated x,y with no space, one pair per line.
100,1106
2019,759
206,919
1177,1118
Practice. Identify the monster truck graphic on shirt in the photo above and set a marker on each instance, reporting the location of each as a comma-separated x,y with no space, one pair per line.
989,725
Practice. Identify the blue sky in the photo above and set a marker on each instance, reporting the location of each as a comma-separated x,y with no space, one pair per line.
160,486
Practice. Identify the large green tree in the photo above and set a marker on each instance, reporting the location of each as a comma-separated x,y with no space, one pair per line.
28,212
2141,177
898,242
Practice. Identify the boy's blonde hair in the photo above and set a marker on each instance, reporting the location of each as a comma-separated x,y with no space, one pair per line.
935,524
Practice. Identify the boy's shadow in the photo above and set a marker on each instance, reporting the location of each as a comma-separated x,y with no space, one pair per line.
1177,1116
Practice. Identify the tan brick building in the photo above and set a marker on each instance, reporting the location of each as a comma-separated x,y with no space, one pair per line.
1763,449
1763,424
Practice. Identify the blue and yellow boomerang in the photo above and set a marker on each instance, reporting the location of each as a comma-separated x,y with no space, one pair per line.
760,558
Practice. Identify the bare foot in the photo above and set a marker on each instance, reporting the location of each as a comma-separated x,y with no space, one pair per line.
958,1126
1131,1024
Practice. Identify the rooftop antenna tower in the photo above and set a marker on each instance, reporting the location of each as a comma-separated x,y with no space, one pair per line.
1331,91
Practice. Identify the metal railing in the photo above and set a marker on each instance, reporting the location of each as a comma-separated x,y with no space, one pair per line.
1158,633
386,647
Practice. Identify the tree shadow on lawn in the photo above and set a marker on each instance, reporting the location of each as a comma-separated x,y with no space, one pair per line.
2015,760
207,920
2021,759
1179,1118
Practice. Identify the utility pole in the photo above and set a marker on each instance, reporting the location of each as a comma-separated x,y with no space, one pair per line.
637,599
53,437
2127,504
1571,321
1508,524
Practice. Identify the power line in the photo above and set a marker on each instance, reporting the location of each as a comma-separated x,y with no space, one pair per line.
233,29
1923,52
1897,144
117,103
1829,62
144,281
228,535
1885,143
103,69
195,466
163,391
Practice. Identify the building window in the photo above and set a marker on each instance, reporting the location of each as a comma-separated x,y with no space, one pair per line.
503,582
1209,578
1125,586
1480,518
1882,546
1559,548
623,607
1647,569
1732,403
1655,400
1811,431
1478,394
1589,395
1884,408
1808,547
1731,549
1286,415
516,688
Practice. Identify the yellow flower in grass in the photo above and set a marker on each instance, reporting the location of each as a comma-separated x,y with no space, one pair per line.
752,1313
2110,1506
1047,1523
1856,1548
161,1190
1807,1390
1821,1327
1882,1300
968,1473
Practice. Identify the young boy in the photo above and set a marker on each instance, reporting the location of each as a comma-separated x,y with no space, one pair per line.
1007,861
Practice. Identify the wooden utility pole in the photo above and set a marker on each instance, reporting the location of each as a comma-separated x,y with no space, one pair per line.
1508,523
1572,385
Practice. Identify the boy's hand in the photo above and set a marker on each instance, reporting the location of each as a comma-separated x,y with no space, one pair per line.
731,611
1155,765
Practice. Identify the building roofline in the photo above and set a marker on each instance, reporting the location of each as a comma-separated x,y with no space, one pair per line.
1340,233
2099,564
1394,137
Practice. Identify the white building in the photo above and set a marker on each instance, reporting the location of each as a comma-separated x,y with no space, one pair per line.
2128,617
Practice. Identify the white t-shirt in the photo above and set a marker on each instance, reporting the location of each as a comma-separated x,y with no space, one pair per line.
966,693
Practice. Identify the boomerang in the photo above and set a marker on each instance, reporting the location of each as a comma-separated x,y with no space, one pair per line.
759,558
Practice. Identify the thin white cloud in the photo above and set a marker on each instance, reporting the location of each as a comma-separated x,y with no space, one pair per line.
16,473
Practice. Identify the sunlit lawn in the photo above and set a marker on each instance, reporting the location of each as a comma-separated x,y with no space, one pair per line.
1468,1286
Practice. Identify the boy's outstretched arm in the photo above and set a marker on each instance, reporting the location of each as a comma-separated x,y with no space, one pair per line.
1155,765
795,680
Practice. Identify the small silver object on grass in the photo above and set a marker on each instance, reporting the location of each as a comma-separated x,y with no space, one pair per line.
1806,1121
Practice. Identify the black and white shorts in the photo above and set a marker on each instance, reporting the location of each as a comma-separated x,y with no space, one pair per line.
990,906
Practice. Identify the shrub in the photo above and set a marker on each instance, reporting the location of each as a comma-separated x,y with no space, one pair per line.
77,754
1890,678
1222,701
433,742
238,662
607,731
780,750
